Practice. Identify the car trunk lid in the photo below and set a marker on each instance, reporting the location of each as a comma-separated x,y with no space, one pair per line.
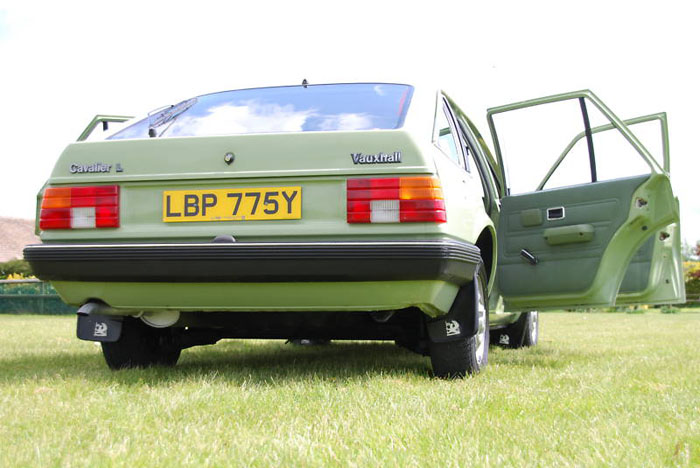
318,164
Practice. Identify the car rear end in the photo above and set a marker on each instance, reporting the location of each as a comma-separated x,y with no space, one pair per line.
272,212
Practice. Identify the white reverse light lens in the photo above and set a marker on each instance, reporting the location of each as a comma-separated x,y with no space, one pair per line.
82,217
384,211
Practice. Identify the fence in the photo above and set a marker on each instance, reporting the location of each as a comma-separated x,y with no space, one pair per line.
31,296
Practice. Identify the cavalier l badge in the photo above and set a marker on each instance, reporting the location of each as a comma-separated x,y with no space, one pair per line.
90,168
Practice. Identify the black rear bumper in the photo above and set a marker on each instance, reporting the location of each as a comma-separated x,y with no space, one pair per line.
446,260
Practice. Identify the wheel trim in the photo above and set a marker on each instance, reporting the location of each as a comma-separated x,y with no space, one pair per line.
534,319
481,331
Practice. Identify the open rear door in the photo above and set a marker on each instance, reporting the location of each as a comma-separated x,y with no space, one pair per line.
588,223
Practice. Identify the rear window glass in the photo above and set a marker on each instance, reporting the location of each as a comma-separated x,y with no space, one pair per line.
336,107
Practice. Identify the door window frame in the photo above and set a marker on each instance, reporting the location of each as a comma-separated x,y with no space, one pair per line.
582,96
487,183
660,116
443,105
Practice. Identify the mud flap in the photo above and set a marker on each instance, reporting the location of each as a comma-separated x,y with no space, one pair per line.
461,321
103,328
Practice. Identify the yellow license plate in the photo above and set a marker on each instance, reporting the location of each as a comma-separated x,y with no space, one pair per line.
245,204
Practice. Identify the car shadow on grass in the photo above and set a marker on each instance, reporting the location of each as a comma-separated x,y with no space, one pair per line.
276,362
238,362
235,362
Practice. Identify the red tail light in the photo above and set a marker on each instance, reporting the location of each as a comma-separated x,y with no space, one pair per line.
395,200
80,207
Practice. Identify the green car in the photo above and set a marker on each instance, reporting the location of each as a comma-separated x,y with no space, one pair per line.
364,211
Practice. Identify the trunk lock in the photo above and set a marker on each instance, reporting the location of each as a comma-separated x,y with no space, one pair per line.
229,158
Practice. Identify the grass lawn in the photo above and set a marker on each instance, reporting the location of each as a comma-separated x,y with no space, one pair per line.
600,389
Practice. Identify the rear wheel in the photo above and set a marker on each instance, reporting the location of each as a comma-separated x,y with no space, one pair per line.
455,359
141,346
523,332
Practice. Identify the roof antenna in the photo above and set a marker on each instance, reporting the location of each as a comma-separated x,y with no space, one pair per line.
305,83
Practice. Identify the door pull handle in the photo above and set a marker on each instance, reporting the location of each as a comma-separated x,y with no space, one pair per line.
529,257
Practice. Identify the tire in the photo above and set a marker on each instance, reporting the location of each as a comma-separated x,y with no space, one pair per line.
141,346
524,332
456,359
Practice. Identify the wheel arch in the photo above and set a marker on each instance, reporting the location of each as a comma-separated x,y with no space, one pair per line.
488,247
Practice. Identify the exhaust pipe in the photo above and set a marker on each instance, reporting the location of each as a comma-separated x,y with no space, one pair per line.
160,318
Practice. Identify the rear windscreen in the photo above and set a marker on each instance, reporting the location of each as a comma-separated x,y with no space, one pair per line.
335,107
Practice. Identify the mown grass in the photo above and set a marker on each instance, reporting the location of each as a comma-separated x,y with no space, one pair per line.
599,390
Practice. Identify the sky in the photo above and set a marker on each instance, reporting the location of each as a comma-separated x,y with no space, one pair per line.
63,62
